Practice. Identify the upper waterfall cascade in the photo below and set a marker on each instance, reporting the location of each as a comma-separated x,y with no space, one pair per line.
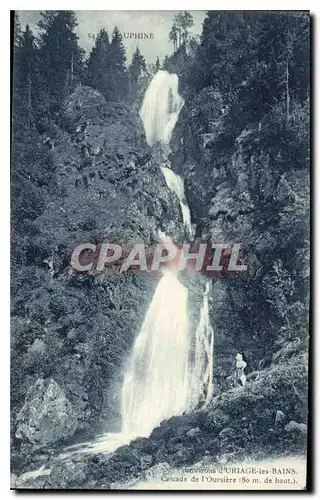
159,112
161,107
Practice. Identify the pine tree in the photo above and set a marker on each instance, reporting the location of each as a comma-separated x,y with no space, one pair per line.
157,65
31,161
118,71
173,37
25,78
166,63
98,66
257,60
60,55
179,31
138,64
288,60
16,30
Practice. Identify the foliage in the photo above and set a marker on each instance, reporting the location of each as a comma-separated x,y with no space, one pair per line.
105,69
179,31
138,64
255,58
98,64
60,55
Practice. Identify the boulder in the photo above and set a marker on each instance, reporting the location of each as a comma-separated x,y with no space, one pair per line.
68,475
142,444
298,428
146,461
161,455
208,139
181,457
47,416
216,420
194,433
157,470
280,416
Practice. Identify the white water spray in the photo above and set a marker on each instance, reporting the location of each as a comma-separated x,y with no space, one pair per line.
168,372
202,370
159,112
161,107
176,184
156,381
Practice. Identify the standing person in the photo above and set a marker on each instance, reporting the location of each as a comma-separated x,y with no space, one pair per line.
240,377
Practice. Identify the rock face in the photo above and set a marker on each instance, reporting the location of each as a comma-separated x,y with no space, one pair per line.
247,183
47,416
78,329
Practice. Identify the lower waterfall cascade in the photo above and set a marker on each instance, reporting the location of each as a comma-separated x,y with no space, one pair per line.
160,241
156,384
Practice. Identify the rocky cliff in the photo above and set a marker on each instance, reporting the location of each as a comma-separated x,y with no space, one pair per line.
76,329
251,187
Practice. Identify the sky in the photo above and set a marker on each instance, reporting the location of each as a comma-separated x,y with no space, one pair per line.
157,22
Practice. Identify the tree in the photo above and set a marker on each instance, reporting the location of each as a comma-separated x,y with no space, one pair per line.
173,37
106,69
157,65
290,58
179,31
16,29
98,66
166,63
25,78
118,70
60,55
138,64
257,60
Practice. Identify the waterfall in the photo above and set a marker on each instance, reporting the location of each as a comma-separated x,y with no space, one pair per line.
176,184
168,373
161,107
169,370
202,368
159,112
156,384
